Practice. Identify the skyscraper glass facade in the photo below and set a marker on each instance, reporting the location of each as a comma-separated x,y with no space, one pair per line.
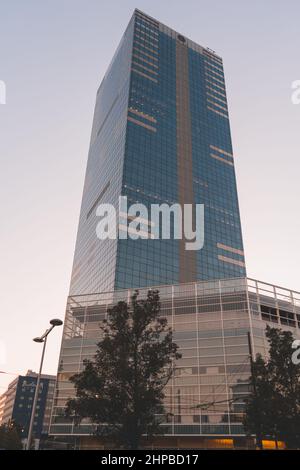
161,135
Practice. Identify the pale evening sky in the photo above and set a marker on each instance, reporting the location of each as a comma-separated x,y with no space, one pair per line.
53,55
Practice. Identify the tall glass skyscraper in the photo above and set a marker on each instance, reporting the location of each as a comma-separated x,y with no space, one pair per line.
160,134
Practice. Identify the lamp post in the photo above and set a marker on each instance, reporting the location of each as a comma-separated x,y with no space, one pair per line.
41,339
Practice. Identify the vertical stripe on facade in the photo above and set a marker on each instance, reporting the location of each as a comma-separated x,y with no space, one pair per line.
187,259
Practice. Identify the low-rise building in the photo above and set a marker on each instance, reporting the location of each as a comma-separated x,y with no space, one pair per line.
16,404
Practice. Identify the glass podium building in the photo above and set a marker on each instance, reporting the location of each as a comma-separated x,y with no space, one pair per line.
161,134
211,321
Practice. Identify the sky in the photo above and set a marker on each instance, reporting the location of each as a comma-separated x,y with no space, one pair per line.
53,56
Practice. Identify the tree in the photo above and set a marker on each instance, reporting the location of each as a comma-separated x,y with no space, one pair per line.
273,410
122,389
10,436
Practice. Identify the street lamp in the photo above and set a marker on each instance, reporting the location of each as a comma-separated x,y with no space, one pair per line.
41,339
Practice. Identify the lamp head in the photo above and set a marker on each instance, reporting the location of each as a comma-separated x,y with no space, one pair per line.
38,340
56,322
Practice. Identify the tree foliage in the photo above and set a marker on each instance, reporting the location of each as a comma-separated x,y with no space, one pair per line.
10,436
122,389
274,410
